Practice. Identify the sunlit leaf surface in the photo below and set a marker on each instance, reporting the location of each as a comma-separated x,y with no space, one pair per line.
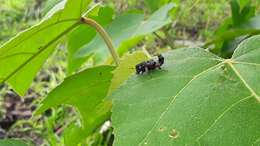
22,57
197,99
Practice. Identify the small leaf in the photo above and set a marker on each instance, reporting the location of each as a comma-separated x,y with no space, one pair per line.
153,5
126,27
196,99
156,21
125,69
11,142
86,92
235,7
22,57
130,43
90,84
244,3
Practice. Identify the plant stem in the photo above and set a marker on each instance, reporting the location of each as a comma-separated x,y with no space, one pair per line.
105,37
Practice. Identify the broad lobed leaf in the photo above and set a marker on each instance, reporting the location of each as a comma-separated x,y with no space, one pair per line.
82,90
126,27
22,57
197,99
86,91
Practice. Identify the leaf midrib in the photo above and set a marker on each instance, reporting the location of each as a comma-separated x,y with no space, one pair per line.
28,37
243,80
39,52
222,114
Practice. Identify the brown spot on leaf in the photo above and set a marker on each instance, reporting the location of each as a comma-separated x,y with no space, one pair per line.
174,134
161,129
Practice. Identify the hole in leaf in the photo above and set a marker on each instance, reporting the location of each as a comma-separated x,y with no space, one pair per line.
174,134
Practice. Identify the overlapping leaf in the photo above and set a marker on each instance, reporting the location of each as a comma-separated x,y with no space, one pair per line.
126,27
85,91
22,57
197,99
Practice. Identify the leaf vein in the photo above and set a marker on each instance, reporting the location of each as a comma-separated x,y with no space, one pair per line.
243,80
16,54
26,38
222,114
256,141
39,52
247,63
246,53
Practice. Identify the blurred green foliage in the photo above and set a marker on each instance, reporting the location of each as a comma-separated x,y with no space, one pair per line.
17,15
242,23
192,22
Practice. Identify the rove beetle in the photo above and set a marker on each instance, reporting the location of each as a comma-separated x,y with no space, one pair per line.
149,65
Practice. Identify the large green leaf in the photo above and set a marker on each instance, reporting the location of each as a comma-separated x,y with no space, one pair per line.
197,99
11,142
85,91
126,27
23,56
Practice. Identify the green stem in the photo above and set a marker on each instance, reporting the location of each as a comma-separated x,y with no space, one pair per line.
105,37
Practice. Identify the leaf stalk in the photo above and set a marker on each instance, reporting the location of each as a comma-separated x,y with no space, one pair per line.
104,35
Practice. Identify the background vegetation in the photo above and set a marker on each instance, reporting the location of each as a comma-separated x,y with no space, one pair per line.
193,23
